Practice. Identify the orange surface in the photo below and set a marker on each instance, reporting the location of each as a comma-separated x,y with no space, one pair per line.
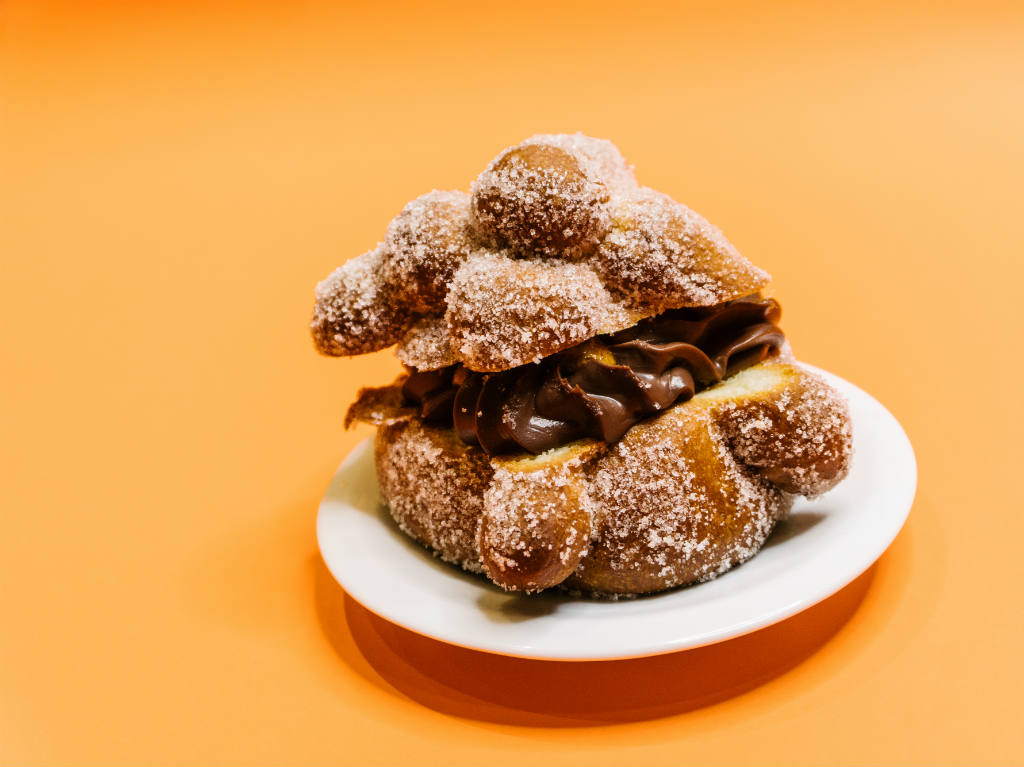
175,178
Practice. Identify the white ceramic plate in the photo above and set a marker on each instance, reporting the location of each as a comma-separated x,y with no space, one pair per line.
825,544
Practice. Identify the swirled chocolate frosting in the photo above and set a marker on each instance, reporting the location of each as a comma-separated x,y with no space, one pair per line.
602,387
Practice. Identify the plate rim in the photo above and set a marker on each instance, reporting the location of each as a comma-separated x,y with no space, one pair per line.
737,629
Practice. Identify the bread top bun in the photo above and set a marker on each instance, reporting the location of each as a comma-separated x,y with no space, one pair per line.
555,243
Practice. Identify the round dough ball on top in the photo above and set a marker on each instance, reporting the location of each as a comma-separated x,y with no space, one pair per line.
542,199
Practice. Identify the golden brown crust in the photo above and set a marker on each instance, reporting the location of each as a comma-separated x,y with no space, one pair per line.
674,506
434,484
537,518
356,312
544,307
681,498
662,255
425,244
771,437
378,405
539,199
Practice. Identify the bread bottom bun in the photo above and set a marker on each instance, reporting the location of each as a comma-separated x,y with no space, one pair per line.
680,498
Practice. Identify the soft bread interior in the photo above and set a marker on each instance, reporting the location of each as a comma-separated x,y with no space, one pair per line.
750,383
523,462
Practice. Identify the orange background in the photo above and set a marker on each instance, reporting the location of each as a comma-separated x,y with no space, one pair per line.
174,179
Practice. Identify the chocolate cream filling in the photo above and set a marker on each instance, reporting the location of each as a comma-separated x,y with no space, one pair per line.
602,387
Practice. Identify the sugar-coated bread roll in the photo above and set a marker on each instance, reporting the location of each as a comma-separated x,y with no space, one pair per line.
598,394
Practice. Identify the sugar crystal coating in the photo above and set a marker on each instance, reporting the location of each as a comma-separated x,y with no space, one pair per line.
539,199
680,498
557,198
600,157
355,311
442,508
800,442
661,255
536,521
545,306
424,245
673,505
427,345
